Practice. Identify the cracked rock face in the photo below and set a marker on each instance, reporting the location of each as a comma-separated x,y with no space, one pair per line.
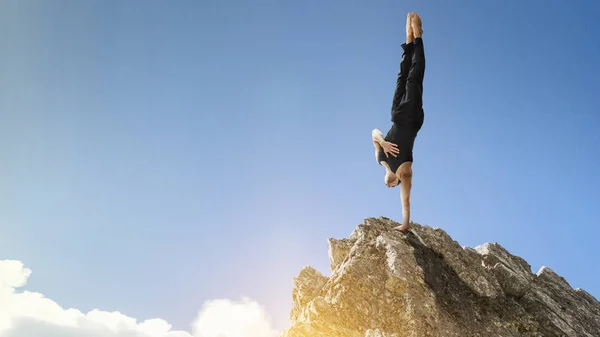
385,283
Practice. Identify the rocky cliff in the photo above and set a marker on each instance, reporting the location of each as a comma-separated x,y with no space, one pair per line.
385,283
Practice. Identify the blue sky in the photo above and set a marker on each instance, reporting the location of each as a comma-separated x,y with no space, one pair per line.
159,154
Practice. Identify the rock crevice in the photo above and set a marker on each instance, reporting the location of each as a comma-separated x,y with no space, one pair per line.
386,283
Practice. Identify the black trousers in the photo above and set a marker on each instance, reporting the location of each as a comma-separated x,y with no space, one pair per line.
407,106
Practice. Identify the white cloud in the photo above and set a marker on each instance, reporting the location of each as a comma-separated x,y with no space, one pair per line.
220,318
31,314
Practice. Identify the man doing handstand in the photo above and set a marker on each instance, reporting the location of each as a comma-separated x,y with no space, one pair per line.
394,152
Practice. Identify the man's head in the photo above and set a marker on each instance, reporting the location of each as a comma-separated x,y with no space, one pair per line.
391,180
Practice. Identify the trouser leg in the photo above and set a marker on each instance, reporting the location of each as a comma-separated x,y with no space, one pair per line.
405,65
414,83
410,106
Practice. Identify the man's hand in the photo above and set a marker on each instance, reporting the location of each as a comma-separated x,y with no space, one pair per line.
390,148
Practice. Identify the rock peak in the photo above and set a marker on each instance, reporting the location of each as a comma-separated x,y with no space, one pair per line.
385,283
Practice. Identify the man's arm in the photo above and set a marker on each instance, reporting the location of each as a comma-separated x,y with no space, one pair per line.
377,137
382,145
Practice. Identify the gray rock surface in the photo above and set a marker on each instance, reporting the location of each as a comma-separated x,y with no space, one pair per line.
385,283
